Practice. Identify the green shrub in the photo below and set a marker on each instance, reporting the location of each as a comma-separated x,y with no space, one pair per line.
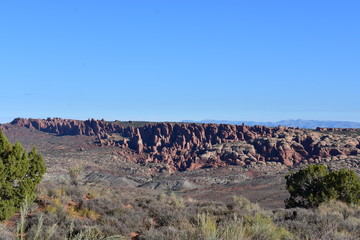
258,227
314,185
207,226
74,173
343,185
247,227
233,230
245,206
20,173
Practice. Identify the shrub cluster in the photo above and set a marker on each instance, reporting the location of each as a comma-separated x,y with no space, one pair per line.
20,172
314,185
66,212
76,211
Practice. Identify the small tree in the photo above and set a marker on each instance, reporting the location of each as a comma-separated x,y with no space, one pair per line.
343,185
315,184
20,172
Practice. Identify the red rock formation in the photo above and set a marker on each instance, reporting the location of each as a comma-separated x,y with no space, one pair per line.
191,146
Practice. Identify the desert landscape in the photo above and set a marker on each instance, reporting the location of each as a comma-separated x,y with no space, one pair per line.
179,120
204,165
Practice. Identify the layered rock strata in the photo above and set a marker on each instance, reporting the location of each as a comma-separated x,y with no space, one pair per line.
191,146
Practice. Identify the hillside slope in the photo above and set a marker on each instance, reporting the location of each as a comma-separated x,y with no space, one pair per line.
182,146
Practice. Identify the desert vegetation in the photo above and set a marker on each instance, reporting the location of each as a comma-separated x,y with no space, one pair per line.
323,204
314,185
79,211
20,172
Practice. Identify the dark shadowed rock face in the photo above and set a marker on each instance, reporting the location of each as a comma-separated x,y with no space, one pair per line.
192,146
65,126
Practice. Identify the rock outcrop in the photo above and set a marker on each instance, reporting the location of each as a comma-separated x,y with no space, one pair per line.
182,146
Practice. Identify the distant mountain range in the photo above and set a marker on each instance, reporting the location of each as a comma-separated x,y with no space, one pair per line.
311,124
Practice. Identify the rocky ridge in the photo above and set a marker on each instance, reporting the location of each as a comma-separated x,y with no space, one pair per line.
182,146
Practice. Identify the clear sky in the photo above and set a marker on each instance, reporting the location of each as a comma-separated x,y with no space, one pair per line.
174,60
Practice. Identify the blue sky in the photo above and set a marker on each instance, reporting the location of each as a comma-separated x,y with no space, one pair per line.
175,60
